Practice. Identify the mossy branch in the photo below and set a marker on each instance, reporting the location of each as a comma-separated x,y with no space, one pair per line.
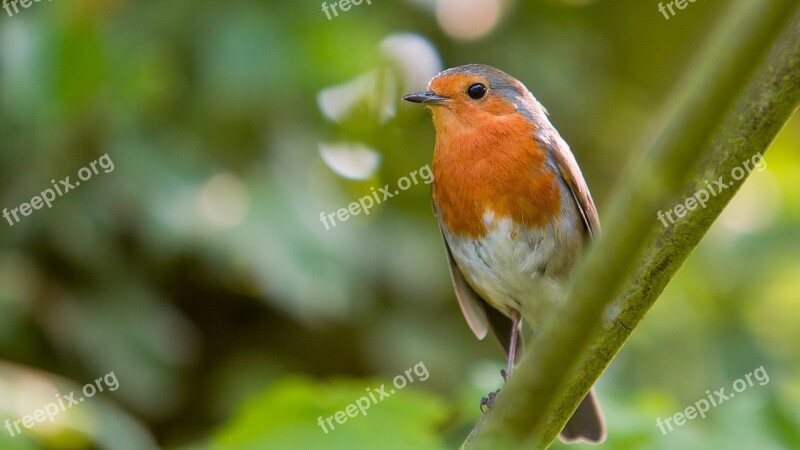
744,86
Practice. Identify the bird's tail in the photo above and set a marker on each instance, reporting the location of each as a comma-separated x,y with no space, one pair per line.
586,424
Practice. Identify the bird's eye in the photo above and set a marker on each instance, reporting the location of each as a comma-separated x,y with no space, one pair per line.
476,91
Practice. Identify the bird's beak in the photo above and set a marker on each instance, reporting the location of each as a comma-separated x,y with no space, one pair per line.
428,98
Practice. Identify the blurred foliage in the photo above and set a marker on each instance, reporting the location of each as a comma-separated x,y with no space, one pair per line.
286,417
198,269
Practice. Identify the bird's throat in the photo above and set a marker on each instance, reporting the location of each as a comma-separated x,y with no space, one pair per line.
497,168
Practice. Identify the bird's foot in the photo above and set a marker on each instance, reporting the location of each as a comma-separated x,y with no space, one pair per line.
488,401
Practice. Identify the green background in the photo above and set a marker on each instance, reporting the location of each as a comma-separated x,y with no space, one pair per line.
199,272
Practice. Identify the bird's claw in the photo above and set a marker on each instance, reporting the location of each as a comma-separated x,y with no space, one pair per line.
488,401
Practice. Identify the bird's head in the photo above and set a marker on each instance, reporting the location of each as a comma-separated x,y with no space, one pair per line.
472,95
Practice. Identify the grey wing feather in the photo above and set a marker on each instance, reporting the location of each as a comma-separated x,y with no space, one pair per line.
472,305
572,175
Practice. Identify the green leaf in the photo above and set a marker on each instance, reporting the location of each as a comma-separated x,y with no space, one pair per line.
287,416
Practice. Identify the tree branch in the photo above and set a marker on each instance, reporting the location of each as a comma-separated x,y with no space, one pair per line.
555,375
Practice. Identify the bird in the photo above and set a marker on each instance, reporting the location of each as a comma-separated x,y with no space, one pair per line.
514,210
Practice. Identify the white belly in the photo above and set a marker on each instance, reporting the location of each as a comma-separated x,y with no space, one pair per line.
516,268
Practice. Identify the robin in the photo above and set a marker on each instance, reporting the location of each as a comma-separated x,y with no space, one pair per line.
514,210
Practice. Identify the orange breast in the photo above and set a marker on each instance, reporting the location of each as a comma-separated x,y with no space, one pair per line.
495,167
